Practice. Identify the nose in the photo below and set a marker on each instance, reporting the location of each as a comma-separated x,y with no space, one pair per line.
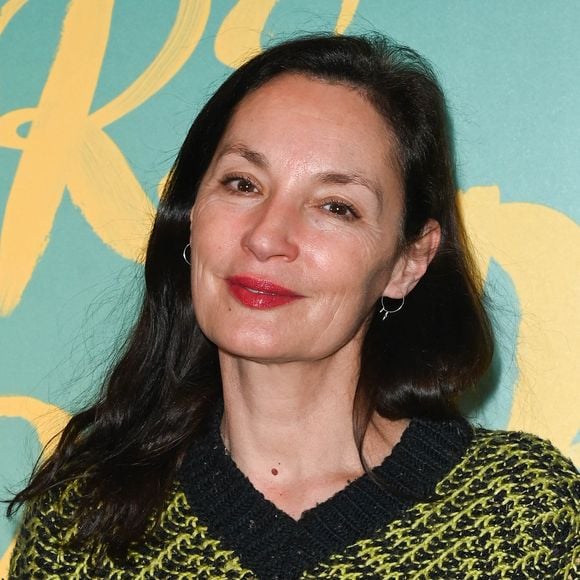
272,232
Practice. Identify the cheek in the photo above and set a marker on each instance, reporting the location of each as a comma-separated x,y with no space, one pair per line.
212,235
206,247
354,266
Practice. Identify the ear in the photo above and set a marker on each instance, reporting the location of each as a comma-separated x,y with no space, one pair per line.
414,261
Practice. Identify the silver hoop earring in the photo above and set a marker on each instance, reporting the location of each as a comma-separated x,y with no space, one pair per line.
387,312
187,247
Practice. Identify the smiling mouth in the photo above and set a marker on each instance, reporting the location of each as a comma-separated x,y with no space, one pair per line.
259,293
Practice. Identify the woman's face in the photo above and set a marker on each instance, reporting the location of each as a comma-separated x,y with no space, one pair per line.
295,229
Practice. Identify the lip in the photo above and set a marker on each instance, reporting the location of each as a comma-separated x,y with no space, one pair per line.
260,293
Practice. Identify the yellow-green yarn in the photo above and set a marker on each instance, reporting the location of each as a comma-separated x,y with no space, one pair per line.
508,509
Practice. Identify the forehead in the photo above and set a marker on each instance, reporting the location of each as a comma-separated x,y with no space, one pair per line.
294,94
307,116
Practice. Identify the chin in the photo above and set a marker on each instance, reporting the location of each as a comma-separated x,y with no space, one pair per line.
252,344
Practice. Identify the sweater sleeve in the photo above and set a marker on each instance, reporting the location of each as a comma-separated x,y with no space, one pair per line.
46,528
24,563
563,524
543,489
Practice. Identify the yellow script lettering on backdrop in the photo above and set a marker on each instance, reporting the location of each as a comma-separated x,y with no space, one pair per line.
539,248
67,147
239,35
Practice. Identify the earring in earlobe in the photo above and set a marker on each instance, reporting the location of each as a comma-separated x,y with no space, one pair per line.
187,247
387,312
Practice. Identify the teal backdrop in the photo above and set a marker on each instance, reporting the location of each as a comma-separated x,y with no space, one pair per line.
96,96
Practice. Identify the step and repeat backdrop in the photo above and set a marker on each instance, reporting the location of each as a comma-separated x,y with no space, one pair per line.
96,96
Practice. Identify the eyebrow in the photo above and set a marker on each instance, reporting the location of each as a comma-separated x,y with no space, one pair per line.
346,178
250,155
329,177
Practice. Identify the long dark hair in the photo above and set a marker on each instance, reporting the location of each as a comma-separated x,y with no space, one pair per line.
125,449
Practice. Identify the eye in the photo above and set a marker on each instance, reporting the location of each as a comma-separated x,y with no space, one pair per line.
341,209
240,184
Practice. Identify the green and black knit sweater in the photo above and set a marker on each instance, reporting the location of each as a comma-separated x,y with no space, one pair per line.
494,505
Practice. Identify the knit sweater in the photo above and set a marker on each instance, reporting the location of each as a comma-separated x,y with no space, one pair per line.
455,503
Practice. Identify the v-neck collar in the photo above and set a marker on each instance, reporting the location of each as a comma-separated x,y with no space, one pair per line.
274,545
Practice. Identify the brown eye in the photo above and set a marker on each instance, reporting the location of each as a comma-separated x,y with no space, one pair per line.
239,184
341,209
245,186
338,208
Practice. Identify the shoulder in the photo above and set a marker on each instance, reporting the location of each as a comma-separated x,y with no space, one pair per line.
52,512
48,523
521,478
519,497
523,457
45,545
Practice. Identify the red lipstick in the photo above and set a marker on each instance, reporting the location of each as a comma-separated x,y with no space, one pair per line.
258,293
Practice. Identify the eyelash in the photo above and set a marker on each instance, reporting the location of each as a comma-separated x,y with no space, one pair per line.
354,214
228,180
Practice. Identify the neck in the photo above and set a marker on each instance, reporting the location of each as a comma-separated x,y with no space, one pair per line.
289,428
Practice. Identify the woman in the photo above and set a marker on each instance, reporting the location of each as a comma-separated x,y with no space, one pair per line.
285,406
